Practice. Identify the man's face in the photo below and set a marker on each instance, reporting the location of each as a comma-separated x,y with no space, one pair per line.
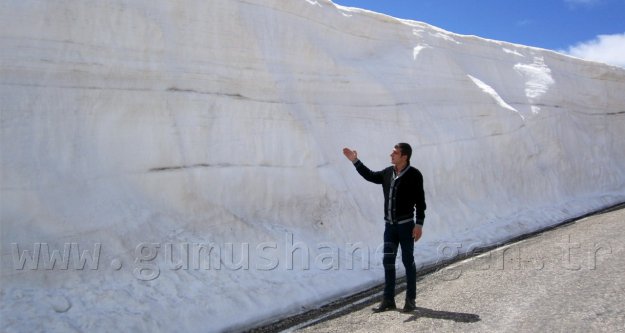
396,156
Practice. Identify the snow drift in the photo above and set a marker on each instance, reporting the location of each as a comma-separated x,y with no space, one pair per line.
177,166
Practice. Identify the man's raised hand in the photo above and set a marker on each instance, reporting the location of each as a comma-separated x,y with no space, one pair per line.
351,155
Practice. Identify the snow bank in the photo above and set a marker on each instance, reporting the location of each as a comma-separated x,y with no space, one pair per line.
177,166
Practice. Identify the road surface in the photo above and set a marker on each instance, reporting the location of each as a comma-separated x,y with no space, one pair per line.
569,279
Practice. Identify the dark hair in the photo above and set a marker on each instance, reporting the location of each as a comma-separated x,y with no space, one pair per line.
405,149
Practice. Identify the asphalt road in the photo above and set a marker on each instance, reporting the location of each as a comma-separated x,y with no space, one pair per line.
569,279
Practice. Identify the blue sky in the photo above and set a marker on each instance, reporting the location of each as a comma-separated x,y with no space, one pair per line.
588,27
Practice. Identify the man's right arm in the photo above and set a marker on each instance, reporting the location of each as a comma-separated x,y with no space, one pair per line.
366,173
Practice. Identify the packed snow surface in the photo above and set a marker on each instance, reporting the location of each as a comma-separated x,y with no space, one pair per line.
177,166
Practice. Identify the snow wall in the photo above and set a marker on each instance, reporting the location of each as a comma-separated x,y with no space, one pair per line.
177,165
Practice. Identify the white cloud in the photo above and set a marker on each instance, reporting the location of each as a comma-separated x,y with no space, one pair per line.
608,49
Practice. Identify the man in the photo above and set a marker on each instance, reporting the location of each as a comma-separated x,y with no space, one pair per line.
403,195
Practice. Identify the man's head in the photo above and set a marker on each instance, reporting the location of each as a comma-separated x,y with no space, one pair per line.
401,153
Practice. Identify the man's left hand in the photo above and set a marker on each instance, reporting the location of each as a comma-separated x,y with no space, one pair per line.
417,232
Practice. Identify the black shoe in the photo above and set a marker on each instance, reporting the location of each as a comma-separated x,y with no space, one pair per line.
410,305
385,306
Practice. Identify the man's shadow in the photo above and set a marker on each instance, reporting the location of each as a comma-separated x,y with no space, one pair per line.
446,315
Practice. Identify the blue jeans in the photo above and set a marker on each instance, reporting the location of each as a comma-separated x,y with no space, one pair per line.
399,235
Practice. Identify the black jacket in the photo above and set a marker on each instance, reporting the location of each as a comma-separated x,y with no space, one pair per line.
405,192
